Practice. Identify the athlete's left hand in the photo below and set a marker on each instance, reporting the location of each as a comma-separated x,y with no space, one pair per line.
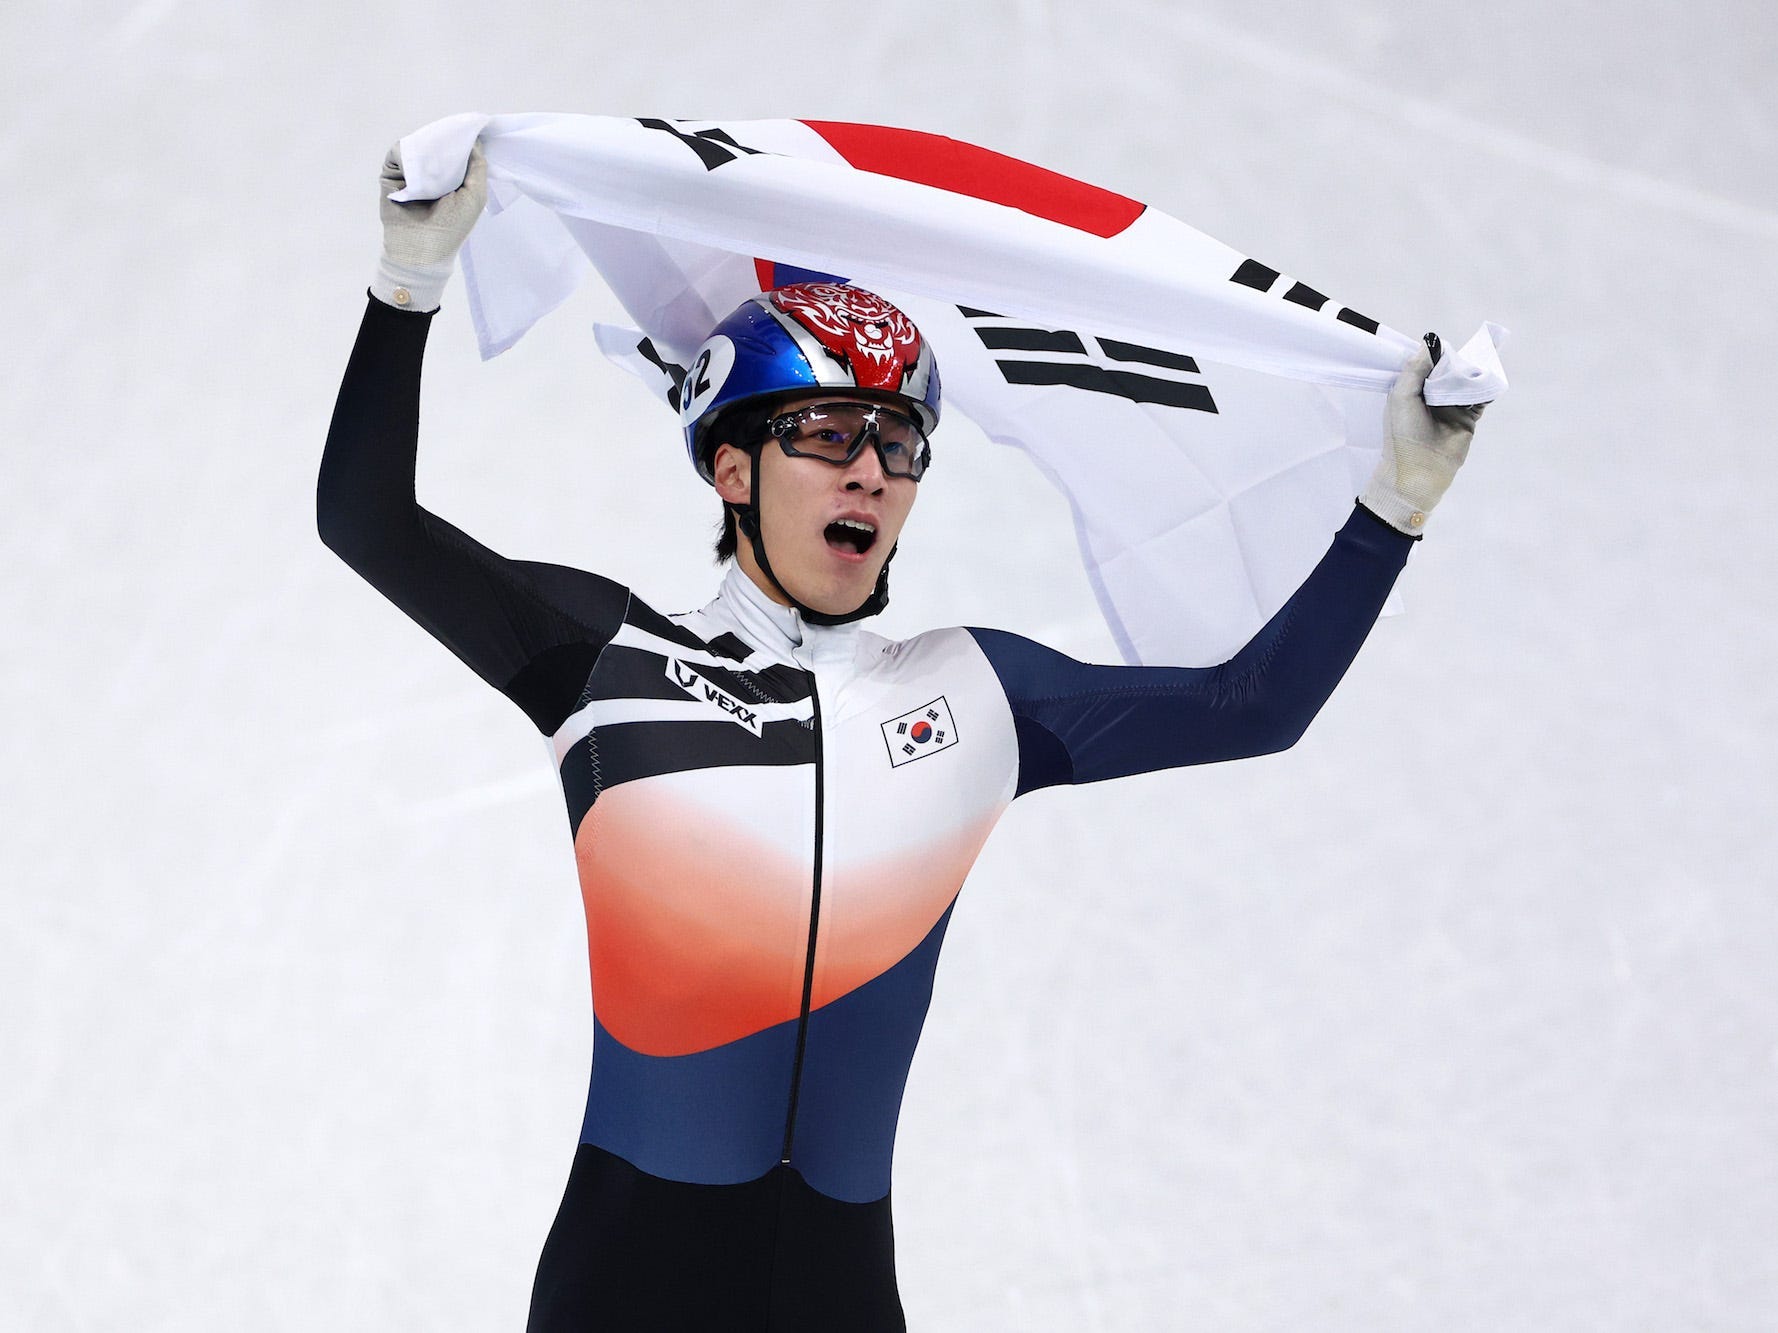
1422,449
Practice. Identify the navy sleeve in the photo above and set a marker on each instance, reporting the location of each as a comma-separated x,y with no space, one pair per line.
1082,723
531,630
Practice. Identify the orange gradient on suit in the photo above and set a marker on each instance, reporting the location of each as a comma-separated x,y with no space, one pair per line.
697,928
874,913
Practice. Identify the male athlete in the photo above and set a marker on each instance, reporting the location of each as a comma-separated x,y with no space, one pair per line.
774,809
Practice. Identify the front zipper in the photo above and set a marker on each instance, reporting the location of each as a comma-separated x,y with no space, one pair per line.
802,1023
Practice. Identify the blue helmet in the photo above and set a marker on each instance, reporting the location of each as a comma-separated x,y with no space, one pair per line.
807,337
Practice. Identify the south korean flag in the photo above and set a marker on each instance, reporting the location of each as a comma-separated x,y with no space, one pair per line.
922,731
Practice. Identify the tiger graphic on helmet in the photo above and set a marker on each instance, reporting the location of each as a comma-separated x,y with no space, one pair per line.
869,336
801,338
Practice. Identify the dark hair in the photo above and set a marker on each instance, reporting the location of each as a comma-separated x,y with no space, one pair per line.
727,538
744,426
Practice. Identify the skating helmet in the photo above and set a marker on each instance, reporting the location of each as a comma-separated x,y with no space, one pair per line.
804,337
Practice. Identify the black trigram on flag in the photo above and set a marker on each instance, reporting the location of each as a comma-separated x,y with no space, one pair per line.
1098,365
1256,275
674,372
714,147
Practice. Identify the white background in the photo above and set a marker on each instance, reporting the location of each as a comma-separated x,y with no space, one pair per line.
1461,1015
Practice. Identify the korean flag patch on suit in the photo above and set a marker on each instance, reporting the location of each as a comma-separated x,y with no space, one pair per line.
919,732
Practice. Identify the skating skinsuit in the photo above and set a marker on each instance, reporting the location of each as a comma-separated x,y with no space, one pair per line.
771,822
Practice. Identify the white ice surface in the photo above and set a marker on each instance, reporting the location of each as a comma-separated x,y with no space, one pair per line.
1461,1015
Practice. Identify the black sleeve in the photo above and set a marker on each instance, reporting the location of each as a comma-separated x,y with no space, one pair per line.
530,630
1081,723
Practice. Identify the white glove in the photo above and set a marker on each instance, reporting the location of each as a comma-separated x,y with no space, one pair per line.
1422,449
421,238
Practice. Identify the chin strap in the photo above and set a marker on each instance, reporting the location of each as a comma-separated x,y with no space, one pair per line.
747,521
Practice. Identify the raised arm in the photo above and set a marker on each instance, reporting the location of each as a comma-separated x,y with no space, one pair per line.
1082,723
530,630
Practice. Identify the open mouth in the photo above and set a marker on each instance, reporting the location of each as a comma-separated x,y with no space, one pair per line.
850,536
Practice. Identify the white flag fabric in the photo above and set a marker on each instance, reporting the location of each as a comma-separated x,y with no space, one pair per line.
1208,418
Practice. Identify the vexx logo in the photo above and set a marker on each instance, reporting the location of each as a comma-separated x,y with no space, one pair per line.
695,684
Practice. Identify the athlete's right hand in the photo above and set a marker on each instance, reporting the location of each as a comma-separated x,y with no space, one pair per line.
421,238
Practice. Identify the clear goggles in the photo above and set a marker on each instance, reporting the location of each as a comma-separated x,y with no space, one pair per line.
837,432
